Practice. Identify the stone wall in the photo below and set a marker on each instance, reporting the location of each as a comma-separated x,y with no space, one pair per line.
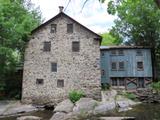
79,70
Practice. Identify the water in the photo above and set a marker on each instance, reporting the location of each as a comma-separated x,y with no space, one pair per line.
141,112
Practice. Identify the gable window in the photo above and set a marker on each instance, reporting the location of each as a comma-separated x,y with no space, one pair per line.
121,65
75,46
113,66
54,67
139,53
120,52
60,83
53,28
39,81
140,65
47,46
69,28
113,52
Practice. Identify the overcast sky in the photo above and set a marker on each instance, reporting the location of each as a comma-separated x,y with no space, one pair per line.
94,15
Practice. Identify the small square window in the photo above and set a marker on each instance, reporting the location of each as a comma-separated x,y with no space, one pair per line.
140,65
113,52
60,83
54,67
53,28
121,65
114,66
69,28
75,46
39,81
139,53
47,46
120,52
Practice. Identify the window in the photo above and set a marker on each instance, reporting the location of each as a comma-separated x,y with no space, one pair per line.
120,52
140,65
39,81
54,67
47,46
103,72
139,53
118,81
114,66
113,52
69,28
121,82
121,65
60,83
53,28
114,82
75,46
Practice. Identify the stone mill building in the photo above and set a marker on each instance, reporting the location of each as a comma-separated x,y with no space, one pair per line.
62,55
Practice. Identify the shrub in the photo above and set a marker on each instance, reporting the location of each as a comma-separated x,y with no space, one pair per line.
156,86
105,86
131,96
74,95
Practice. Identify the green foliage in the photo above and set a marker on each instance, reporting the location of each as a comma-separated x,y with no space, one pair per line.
131,96
156,86
74,95
109,39
105,86
17,19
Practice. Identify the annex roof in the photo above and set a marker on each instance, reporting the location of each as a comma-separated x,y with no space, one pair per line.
123,47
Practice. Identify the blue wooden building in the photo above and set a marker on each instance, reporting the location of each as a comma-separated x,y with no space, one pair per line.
128,67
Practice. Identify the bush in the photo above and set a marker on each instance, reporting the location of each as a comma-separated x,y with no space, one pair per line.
156,86
130,96
105,86
74,95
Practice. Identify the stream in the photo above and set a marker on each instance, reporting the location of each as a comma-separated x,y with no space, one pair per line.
140,112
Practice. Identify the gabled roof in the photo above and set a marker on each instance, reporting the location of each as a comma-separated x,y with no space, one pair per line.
58,15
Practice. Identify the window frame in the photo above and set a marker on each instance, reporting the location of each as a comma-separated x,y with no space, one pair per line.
142,66
74,46
60,83
53,67
113,69
113,52
139,53
70,28
119,65
53,28
120,52
47,46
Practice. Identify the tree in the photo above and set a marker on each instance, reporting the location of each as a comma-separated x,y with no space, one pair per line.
17,19
110,39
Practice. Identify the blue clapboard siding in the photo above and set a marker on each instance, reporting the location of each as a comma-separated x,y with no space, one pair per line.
130,60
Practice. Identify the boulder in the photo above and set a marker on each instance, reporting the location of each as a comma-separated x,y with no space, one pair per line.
65,106
102,108
108,95
123,104
29,118
85,105
59,116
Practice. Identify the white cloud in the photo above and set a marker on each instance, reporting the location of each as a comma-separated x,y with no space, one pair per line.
94,15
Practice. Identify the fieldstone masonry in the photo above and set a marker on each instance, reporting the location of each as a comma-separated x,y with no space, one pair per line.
79,70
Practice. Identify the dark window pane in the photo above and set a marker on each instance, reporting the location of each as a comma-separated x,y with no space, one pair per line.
121,65
113,65
47,46
39,81
114,82
75,46
121,82
140,65
53,28
113,52
69,28
139,53
103,72
60,83
54,67
120,52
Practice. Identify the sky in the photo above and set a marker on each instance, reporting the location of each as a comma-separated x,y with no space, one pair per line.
94,14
